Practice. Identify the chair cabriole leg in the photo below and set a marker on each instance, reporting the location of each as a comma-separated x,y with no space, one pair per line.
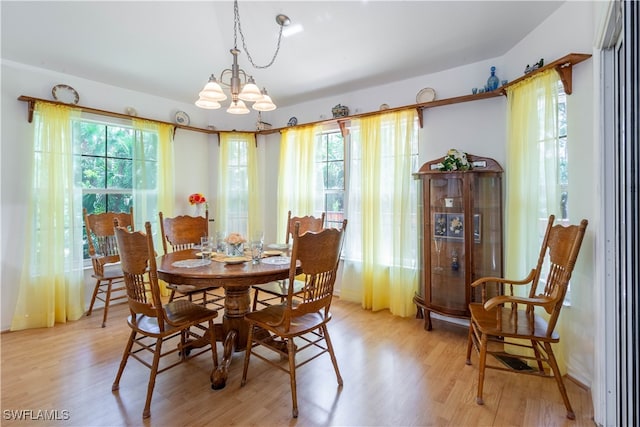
556,373
106,304
247,355
152,378
123,362
481,367
469,343
292,375
325,332
93,297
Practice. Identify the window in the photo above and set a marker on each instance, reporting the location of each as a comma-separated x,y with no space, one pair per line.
107,167
563,160
330,156
238,187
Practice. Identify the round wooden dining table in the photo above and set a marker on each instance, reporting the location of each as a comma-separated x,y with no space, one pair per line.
236,279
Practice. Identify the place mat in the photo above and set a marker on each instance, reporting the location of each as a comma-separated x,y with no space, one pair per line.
191,263
223,258
276,260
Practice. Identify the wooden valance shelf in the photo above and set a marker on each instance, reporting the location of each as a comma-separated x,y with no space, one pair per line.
564,66
32,101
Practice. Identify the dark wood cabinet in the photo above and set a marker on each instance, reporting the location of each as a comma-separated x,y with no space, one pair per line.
461,236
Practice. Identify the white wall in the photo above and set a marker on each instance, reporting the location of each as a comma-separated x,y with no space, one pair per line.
477,127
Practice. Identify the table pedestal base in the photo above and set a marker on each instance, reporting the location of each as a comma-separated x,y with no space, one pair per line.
233,332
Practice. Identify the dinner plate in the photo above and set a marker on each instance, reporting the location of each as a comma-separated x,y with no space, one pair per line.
182,118
272,253
235,260
191,263
278,246
65,93
426,95
277,260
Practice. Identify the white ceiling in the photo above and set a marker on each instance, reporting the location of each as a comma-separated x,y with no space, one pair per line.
169,49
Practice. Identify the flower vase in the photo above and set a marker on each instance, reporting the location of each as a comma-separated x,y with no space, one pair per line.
236,249
198,209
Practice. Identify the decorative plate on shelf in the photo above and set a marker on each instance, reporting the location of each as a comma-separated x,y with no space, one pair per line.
182,118
292,121
426,95
131,111
65,93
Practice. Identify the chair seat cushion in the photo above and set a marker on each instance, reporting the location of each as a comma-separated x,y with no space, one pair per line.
514,323
269,317
179,312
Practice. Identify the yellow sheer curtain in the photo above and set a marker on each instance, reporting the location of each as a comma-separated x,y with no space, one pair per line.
380,256
297,182
52,280
532,174
532,186
153,168
239,204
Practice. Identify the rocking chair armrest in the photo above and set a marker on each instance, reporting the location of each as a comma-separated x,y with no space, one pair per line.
506,299
524,281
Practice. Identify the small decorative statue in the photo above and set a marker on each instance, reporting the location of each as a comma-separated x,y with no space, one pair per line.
530,68
340,111
455,265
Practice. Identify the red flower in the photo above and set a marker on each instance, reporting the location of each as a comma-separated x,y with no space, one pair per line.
197,198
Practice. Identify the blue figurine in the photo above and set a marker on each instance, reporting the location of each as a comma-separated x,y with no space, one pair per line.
493,82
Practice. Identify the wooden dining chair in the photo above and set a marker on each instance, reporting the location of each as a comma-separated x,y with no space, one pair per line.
301,324
184,232
277,291
510,322
154,327
105,258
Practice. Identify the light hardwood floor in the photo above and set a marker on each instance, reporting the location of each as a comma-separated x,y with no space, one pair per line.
395,374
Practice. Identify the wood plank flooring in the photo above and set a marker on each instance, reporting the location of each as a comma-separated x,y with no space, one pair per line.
395,374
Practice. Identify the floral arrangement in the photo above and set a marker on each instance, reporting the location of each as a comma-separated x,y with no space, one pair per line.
456,225
455,160
235,239
197,198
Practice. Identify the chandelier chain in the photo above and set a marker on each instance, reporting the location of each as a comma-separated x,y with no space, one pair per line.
237,27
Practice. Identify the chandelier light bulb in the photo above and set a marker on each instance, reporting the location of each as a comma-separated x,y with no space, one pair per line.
208,104
265,103
250,92
237,107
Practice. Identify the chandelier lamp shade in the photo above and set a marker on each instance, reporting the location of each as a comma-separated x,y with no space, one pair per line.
241,85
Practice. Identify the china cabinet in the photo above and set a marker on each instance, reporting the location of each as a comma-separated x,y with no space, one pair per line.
461,236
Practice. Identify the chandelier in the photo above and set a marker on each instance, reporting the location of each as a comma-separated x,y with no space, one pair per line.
241,85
